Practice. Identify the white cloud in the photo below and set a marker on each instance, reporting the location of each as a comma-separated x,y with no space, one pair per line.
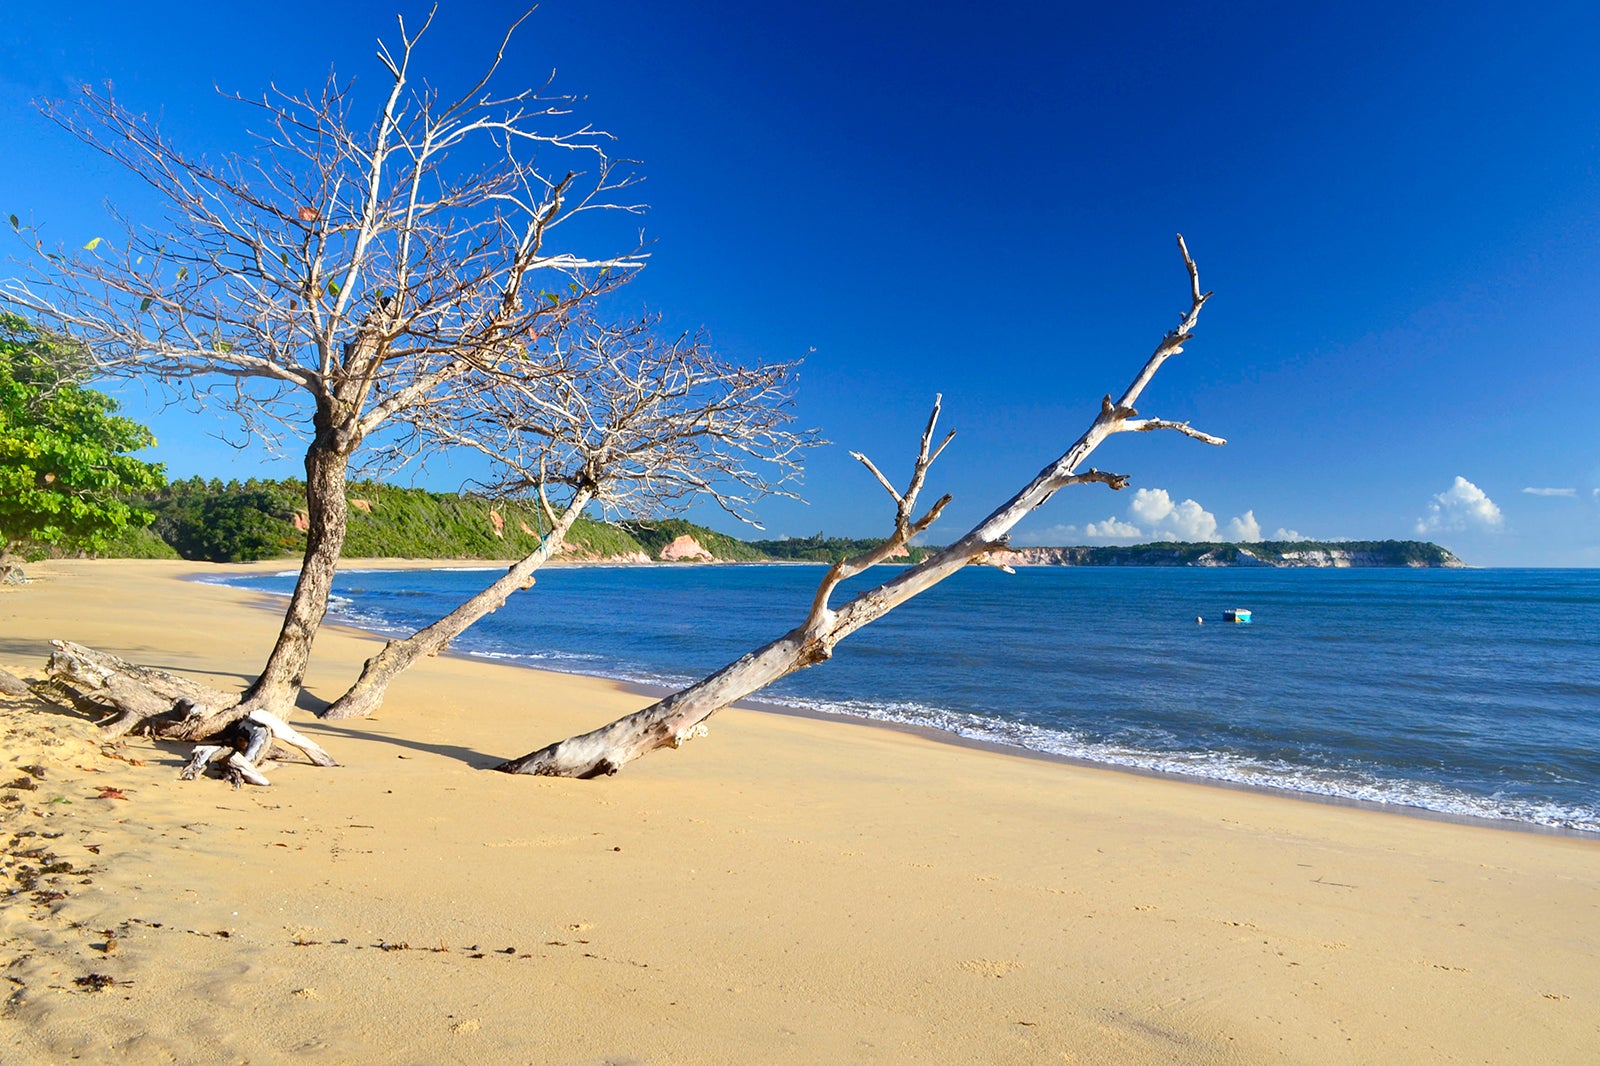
1460,507
1152,505
1112,529
1569,493
1173,521
1153,515
1289,534
1244,529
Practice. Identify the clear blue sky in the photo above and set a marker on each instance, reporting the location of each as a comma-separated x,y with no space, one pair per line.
1398,206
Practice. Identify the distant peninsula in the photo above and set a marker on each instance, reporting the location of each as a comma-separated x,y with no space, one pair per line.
264,519
1278,553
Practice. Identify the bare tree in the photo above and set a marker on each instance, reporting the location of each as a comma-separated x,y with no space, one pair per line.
635,425
678,717
343,276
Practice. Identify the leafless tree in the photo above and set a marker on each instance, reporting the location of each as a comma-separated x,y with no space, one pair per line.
678,717
635,425
344,275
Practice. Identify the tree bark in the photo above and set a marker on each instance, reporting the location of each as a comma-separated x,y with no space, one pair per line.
143,696
679,717
367,693
327,515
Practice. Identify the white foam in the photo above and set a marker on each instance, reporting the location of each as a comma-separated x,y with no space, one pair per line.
1350,784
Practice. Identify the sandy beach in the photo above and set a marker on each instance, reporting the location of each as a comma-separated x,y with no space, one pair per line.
785,890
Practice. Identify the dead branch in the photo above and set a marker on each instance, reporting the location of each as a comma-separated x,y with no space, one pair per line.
344,273
636,424
682,715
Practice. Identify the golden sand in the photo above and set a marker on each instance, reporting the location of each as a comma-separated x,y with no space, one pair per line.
786,890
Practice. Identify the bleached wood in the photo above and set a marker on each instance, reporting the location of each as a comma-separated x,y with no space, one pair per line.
634,423
143,696
347,272
672,720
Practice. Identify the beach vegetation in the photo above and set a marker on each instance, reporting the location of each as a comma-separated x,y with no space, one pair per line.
820,549
655,534
67,467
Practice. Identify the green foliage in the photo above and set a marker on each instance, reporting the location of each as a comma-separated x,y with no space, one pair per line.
602,540
138,542
658,533
228,523
386,520
65,474
255,519
820,549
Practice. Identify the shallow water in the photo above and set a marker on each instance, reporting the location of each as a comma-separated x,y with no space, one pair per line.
1473,692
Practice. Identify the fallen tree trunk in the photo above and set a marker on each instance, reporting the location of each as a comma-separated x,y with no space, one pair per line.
169,706
678,717
165,704
367,693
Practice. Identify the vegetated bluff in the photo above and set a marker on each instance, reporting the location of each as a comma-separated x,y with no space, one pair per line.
261,519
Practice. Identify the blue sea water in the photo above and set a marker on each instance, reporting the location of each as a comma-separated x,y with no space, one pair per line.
1469,692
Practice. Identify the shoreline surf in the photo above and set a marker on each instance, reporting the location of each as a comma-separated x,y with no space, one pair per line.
1338,786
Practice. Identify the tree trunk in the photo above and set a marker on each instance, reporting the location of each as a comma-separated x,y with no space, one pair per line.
327,512
367,693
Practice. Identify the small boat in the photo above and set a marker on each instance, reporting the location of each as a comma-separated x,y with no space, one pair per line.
1236,614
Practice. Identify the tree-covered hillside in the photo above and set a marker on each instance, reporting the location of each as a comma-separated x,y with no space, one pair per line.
238,521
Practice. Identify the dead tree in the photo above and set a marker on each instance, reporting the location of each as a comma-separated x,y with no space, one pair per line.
671,721
344,275
635,425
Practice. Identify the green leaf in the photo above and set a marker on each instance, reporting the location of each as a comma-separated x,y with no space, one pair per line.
93,244
144,304
15,223
65,463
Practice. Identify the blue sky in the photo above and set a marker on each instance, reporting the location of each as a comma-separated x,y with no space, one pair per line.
1398,206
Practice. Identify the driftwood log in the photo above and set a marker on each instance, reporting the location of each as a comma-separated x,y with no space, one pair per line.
12,685
145,698
172,707
246,747
671,721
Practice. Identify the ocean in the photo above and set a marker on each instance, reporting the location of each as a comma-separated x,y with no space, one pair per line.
1465,692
